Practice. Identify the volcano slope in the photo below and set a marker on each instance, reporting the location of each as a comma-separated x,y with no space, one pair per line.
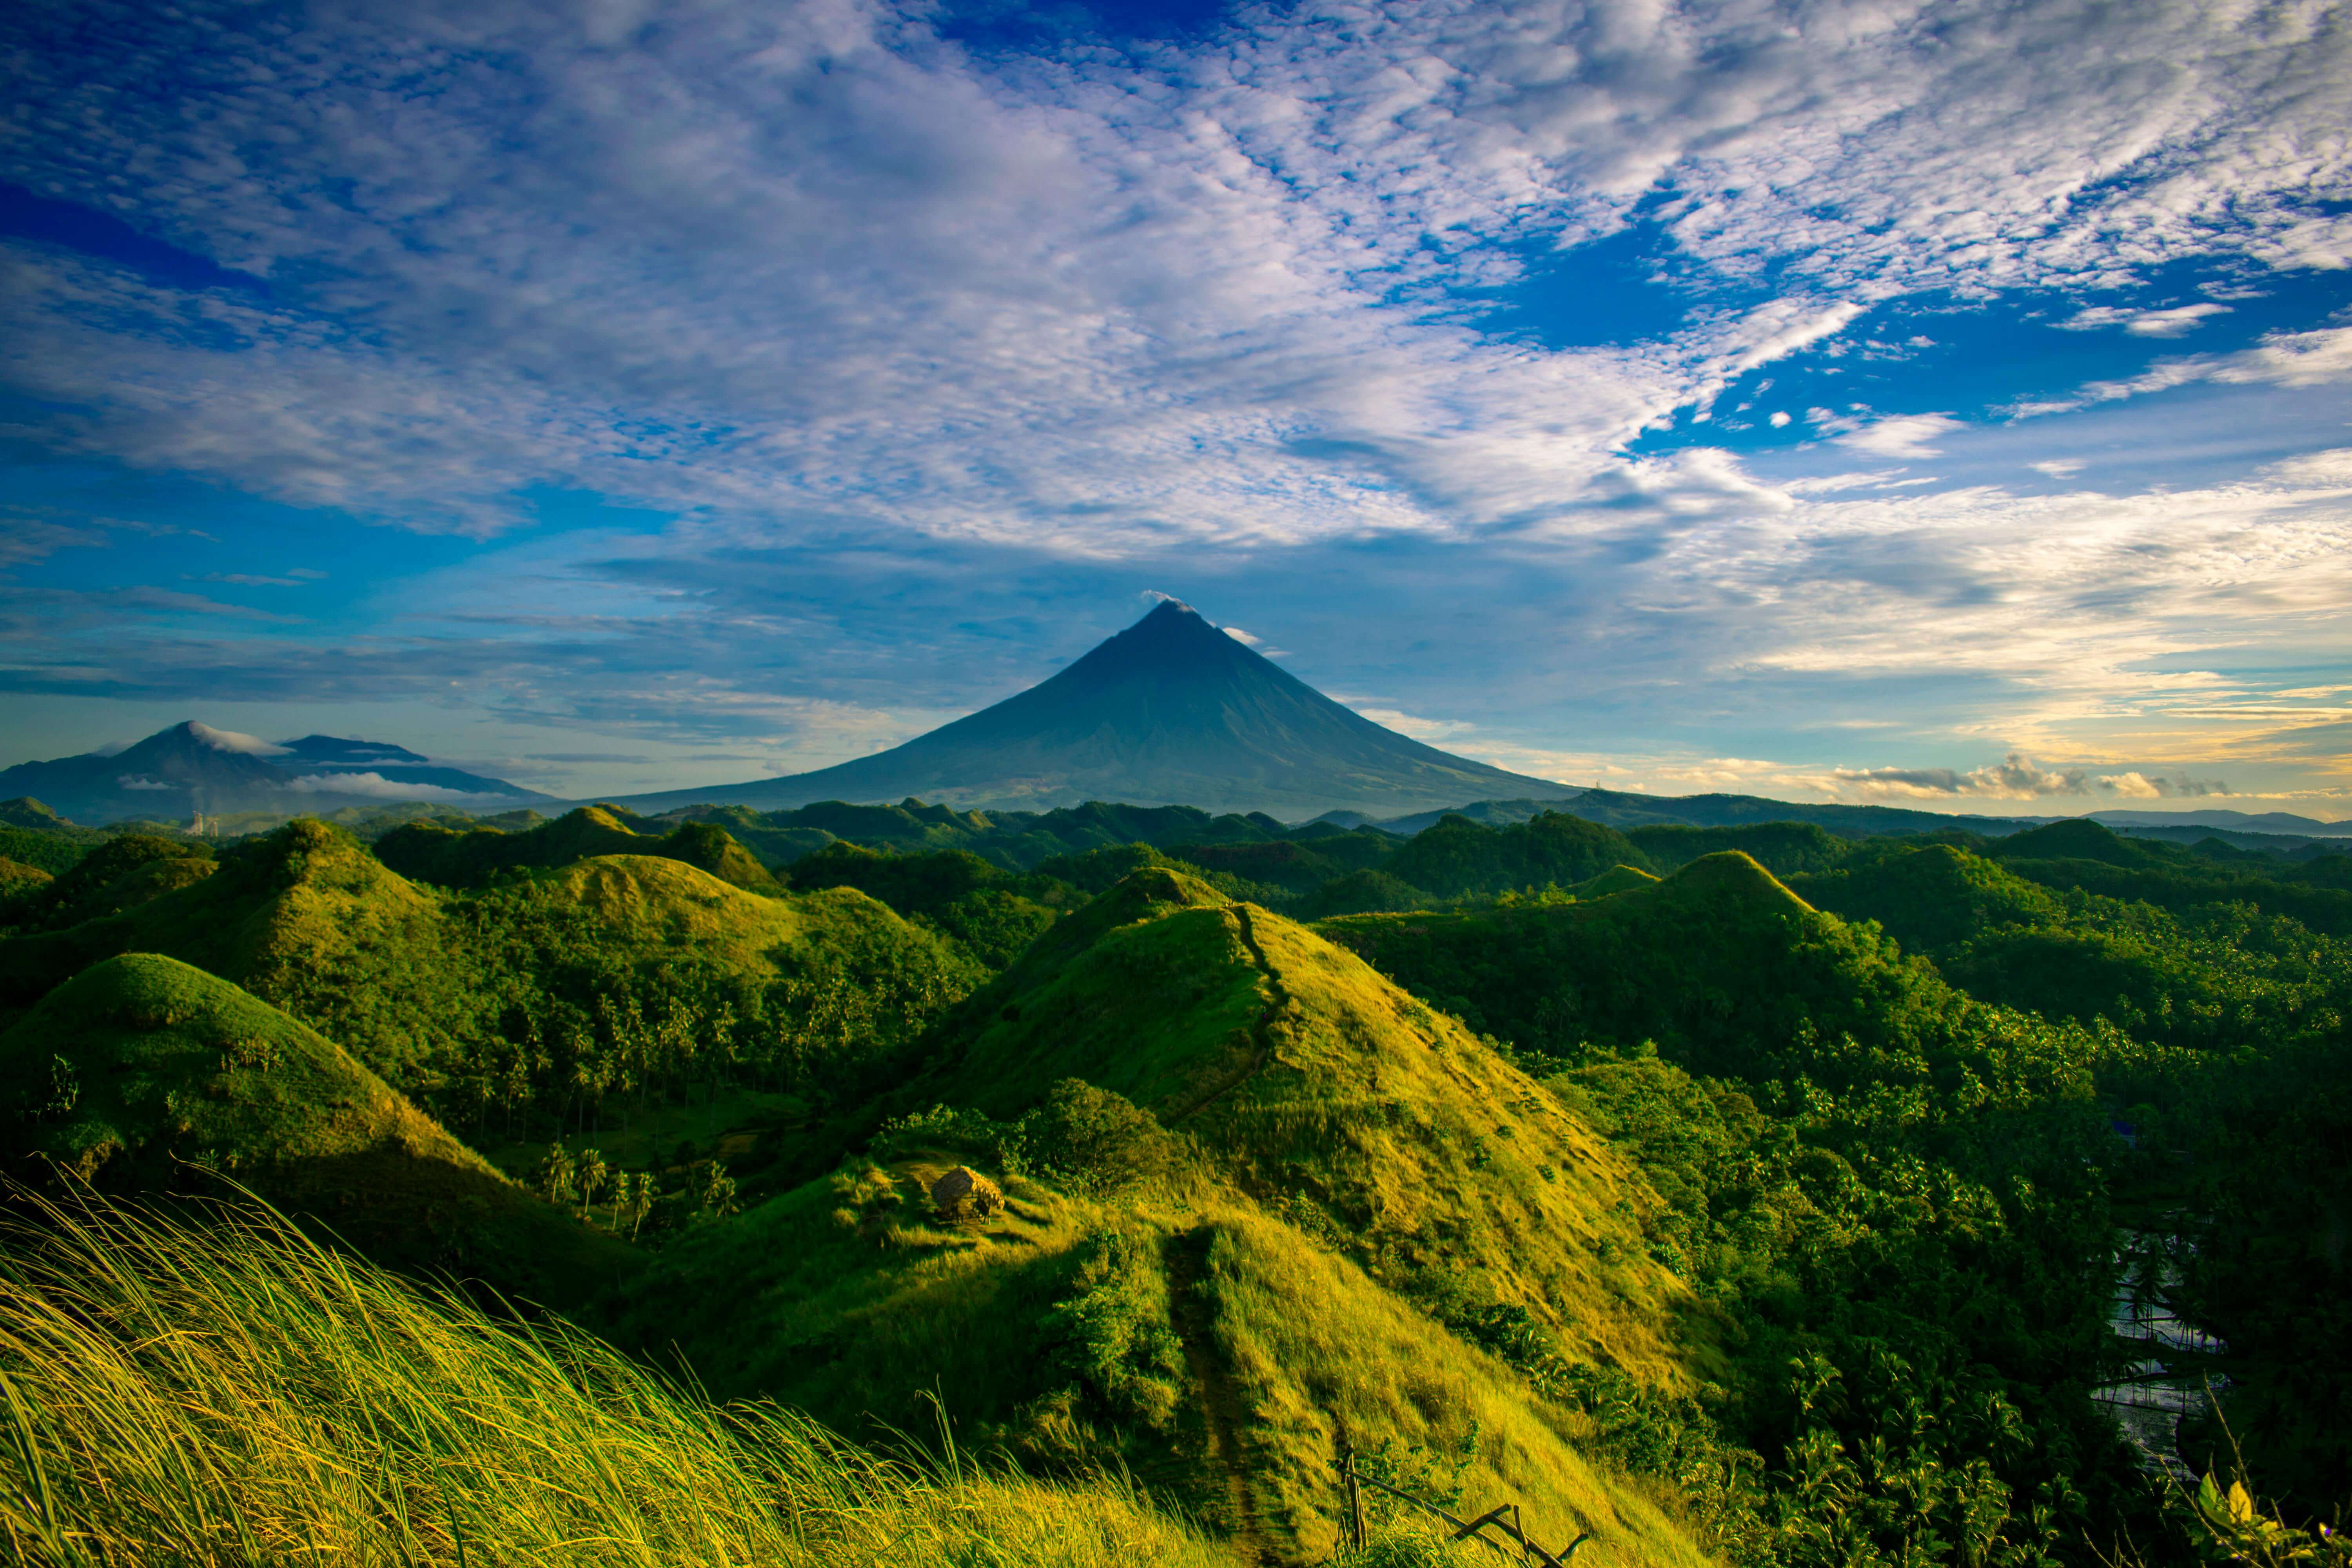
1329,1197
452,994
144,1075
1896,1194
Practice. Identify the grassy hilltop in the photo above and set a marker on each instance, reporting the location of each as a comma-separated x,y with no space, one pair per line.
1296,1177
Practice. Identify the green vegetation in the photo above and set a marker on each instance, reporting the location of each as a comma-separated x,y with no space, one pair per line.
142,1074
118,875
1457,856
2085,856
1010,840
990,913
1752,1193
43,851
1783,848
1251,1185
469,858
234,1394
21,887
1890,1191
25,815
618,983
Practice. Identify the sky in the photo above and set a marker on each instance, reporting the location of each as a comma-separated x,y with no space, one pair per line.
1934,403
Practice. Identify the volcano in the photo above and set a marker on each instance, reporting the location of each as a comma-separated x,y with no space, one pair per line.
192,769
1171,712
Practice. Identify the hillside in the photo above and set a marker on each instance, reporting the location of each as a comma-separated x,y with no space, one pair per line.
611,978
1862,1165
470,857
227,1392
1169,710
1357,1204
141,1073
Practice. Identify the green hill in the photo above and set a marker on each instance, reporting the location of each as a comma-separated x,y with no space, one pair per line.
990,913
1458,856
468,858
1866,1170
1928,896
21,887
2211,974
120,874
142,1066
1627,961
2083,855
1355,1190
40,850
1783,848
627,979
1616,880
25,815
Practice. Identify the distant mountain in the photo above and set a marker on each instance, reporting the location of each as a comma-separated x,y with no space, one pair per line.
2244,822
1169,711
192,769
1622,809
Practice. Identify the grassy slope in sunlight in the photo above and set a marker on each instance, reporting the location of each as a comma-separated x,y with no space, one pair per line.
232,1394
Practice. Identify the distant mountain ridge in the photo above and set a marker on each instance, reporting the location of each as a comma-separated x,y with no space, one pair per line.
2239,821
1169,711
1620,808
192,769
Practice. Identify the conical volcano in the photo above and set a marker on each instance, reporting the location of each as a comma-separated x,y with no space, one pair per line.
1171,712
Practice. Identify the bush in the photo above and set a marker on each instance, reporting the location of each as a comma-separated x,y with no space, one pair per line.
1090,1140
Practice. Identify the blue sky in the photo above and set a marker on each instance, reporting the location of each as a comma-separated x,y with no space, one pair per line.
1935,404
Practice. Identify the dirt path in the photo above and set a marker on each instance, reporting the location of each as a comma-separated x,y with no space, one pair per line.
1260,1028
1224,1413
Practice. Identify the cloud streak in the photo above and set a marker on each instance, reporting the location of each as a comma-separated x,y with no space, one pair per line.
2016,777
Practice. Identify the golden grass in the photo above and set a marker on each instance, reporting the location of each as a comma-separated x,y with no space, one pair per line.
234,1394
1315,1347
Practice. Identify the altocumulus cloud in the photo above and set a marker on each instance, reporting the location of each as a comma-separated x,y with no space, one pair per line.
805,273
764,258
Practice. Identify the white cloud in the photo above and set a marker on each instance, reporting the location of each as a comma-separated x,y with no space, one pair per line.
2016,777
783,260
231,741
376,787
1240,636
2168,323
808,272
1903,435
2290,358
2321,470
1434,731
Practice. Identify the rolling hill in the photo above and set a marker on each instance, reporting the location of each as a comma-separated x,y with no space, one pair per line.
146,1075
1329,1215
1169,711
582,965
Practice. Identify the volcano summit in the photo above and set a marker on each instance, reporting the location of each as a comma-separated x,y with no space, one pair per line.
1169,711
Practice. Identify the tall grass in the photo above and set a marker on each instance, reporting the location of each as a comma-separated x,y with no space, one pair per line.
229,1393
